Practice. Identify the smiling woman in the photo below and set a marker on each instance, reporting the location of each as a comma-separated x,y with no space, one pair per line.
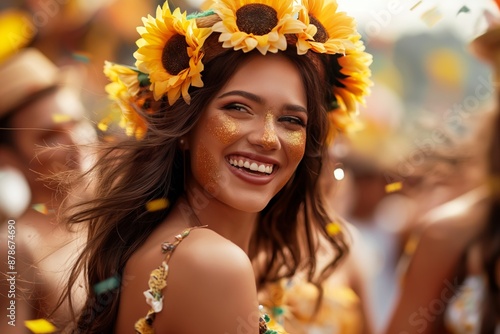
229,122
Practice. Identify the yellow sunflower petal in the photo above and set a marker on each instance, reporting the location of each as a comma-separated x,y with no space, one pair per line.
155,35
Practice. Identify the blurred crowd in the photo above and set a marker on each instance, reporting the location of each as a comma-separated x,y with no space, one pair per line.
414,179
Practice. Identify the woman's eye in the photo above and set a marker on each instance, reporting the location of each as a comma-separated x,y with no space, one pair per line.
293,120
236,107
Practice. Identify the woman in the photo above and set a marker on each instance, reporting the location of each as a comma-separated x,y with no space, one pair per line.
450,207
229,113
481,287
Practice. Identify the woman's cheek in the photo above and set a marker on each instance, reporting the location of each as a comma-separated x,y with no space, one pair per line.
206,169
295,143
222,127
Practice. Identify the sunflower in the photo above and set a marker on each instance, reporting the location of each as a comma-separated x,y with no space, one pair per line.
355,82
350,79
328,31
124,80
262,24
124,89
169,51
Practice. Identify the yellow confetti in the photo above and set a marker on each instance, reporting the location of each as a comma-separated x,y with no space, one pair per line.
61,118
333,229
416,5
102,126
431,16
393,187
42,208
157,204
40,326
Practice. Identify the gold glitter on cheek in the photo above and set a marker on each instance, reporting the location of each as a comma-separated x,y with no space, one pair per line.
295,144
223,128
206,169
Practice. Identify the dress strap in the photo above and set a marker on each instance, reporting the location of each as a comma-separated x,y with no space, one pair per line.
157,282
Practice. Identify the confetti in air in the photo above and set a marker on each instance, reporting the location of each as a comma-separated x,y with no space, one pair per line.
102,126
416,5
106,285
40,326
431,17
333,229
61,118
81,57
157,204
42,208
393,187
464,9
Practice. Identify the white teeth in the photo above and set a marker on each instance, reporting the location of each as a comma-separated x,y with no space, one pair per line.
252,166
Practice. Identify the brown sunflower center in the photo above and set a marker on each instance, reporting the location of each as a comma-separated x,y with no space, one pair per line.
321,35
256,18
174,57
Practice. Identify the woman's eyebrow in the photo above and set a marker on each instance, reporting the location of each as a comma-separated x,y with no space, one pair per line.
258,99
295,107
245,94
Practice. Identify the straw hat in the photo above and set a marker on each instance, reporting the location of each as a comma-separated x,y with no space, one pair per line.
26,73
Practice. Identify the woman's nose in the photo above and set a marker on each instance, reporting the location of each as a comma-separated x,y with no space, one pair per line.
265,135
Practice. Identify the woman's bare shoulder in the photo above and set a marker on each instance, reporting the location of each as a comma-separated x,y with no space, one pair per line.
213,283
210,286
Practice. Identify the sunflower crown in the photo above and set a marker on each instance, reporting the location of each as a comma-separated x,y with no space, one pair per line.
171,52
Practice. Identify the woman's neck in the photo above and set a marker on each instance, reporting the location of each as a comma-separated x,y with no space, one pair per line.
234,225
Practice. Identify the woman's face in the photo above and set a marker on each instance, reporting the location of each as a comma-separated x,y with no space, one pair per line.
252,135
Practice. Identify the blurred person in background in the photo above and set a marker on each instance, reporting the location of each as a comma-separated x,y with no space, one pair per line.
476,306
447,173
40,110
362,165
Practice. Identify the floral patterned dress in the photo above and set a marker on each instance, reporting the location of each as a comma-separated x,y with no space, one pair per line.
292,303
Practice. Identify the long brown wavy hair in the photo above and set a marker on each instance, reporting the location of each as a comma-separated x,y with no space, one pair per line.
490,241
129,173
